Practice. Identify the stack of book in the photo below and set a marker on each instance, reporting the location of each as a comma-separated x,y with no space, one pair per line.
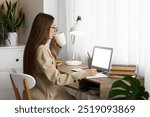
119,71
59,62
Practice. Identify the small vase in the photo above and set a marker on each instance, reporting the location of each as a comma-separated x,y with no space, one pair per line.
12,37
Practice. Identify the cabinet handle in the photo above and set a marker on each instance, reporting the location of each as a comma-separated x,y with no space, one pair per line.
17,60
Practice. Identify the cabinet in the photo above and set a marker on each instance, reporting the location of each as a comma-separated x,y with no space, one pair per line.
10,57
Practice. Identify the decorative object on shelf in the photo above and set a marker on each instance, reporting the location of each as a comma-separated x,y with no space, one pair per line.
13,19
128,88
77,29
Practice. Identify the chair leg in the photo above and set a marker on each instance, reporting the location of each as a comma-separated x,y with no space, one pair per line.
18,97
27,91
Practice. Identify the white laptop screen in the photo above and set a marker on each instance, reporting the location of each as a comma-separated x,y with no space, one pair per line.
101,58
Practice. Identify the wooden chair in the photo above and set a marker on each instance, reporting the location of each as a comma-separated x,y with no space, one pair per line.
22,82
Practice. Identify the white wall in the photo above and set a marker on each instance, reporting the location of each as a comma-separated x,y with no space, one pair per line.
32,7
51,7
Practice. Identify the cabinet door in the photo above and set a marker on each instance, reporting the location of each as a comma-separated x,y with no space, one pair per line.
11,57
6,91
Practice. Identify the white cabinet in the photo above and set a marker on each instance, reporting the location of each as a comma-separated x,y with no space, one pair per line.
10,57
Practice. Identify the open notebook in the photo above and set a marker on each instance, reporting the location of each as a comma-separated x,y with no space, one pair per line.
98,75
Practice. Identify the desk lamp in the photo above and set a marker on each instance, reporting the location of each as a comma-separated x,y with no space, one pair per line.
75,30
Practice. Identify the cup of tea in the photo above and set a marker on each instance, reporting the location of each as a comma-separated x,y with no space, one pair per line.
60,39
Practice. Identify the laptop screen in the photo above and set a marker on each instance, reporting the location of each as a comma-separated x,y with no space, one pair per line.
101,58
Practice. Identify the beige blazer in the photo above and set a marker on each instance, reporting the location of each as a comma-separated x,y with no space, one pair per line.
49,81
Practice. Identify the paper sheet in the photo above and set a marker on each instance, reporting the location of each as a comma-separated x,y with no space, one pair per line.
98,75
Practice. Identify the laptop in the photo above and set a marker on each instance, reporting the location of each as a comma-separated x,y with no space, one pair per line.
101,59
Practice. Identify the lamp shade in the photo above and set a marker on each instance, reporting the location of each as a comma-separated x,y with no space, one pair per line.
77,29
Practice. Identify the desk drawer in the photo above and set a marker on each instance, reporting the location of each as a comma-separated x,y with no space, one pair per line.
11,59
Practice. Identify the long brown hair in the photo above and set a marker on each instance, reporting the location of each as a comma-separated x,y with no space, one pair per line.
39,35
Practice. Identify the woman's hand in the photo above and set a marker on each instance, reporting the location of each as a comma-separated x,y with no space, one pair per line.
90,72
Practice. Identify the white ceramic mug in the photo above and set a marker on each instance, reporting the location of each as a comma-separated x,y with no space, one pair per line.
60,39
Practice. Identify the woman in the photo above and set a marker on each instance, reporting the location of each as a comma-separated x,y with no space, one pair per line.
39,61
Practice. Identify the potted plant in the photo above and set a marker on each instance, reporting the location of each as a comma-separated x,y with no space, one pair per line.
128,88
3,28
13,19
3,33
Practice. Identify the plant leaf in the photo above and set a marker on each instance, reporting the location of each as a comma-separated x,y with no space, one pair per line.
133,82
115,93
13,9
128,88
13,20
121,84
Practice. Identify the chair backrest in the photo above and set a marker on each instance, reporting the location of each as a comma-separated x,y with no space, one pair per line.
22,82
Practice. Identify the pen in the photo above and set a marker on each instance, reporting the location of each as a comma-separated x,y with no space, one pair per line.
88,55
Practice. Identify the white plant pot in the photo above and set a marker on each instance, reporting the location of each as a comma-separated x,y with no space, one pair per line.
12,37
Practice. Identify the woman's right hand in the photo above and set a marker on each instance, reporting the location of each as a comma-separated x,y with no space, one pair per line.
90,72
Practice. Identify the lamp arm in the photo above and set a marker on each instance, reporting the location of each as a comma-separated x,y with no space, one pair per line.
73,44
73,39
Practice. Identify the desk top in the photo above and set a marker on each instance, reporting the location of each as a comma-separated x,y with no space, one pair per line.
67,69
104,83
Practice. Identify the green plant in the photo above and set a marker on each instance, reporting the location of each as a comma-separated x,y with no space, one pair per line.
128,88
3,33
3,28
1,12
13,18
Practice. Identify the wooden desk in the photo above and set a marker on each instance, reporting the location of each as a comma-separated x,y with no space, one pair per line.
103,85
